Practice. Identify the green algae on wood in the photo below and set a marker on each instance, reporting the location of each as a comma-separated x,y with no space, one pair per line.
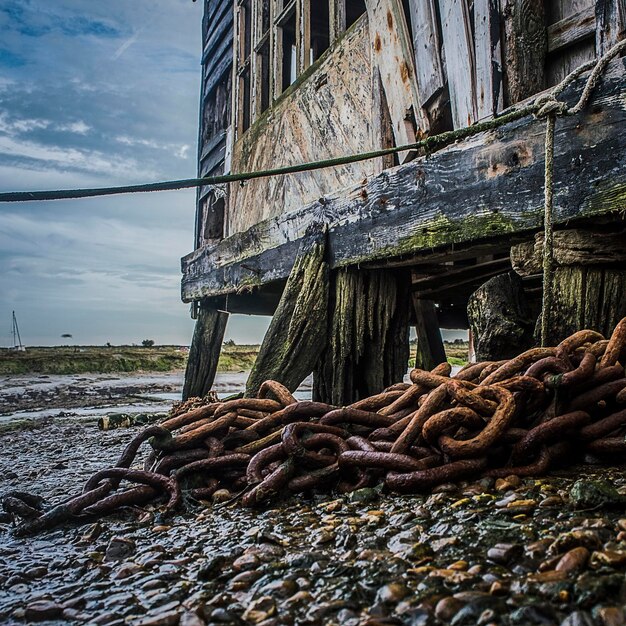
297,333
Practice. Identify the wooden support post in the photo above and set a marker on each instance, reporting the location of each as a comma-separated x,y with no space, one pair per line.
430,350
589,279
205,351
500,320
610,24
525,47
368,342
297,334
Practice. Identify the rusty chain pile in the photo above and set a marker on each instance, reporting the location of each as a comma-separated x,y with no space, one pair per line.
522,416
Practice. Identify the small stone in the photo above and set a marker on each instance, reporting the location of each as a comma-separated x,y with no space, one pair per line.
125,570
578,618
36,572
299,598
365,495
498,588
611,616
551,502
447,608
221,495
573,561
551,576
612,558
246,562
587,538
392,593
280,588
260,610
42,610
503,553
162,528
621,524
459,565
169,618
586,494
191,619
119,549
508,483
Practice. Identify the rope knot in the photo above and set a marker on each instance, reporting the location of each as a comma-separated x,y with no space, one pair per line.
547,104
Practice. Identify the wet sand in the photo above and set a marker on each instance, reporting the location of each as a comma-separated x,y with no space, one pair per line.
512,552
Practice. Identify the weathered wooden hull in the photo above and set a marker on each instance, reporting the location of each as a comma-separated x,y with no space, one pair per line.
484,189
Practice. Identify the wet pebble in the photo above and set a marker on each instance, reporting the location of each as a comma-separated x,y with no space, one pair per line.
42,610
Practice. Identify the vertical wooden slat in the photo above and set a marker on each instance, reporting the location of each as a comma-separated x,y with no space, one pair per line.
524,48
460,64
337,13
303,35
393,55
489,95
430,349
610,24
277,53
429,70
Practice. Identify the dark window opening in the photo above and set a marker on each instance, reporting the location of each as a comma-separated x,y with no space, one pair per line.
289,68
354,10
265,15
213,218
247,29
264,72
320,30
245,100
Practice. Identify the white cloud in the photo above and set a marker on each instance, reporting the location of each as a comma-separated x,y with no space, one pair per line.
79,128
183,151
56,157
17,126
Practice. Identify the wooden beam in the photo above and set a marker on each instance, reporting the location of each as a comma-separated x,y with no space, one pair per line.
484,190
297,333
457,275
572,29
204,352
430,350
368,335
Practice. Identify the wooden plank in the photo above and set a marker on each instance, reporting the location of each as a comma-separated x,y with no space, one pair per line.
393,56
297,333
368,336
460,64
489,88
485,189
430,350
572,29
429,69
337,16
204,352
524,48
323,117
469,272
611,24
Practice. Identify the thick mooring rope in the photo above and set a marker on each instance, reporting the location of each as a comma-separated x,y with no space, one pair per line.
550,107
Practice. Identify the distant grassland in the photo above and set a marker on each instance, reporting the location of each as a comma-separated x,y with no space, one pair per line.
92,359
105,360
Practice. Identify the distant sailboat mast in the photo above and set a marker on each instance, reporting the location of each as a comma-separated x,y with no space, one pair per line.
17,340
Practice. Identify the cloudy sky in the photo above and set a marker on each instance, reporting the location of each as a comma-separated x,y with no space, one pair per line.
99,94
